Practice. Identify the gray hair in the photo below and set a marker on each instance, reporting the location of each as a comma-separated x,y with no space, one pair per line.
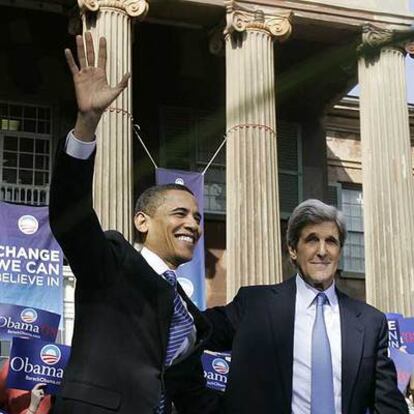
313,211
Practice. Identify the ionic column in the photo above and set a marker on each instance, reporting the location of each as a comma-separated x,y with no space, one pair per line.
387,174
253,220
113,186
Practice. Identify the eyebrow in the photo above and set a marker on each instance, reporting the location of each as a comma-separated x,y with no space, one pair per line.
311,235
316,235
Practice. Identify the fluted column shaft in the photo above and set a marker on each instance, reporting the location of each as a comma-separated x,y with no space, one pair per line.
387,177
253,219
113,179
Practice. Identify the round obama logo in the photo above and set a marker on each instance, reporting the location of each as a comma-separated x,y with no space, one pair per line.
28,315
50,354
187,285
220,366
179,180
28,224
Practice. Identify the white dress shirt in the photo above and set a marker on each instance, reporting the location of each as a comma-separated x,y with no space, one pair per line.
83,150
305,311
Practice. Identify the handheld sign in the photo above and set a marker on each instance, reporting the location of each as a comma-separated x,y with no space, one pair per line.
31,261
407,334
27,322
216,367
394,339
404,364
33,361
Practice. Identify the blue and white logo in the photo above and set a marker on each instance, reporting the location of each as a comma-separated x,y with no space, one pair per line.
221,366
28,315
50,354
28,224
179,180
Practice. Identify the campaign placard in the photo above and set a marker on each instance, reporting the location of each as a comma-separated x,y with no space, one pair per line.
31,261
190,275
407,334
404,364
33,361
216,366
25,322
394,338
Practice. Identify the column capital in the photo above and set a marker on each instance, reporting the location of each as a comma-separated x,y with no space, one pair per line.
375,38
133,8
240,18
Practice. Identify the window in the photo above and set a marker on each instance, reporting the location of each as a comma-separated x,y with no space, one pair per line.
353,254
25,153
190,137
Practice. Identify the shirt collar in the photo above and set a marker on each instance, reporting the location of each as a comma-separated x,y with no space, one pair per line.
306,293
155,261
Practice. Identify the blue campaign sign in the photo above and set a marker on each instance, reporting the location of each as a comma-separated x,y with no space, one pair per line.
216,367
27,322
191,274
394,338
407,334
404,364
33,361
31,261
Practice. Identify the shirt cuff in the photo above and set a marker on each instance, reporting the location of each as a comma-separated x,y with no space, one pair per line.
77,148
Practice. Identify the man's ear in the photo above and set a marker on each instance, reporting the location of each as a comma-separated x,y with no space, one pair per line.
141,221
292,253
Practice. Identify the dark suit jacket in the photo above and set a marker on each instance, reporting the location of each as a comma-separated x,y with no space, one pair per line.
122,313
259,327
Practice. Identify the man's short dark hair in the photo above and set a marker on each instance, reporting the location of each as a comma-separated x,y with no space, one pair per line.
153,197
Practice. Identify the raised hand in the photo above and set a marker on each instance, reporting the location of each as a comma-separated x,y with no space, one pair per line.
93,93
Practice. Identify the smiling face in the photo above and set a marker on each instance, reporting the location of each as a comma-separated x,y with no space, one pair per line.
317,254
173,229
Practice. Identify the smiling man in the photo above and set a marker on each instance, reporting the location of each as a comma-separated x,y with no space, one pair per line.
302,346
137,337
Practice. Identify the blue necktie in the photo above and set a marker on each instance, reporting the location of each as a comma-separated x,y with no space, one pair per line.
322,391
180,328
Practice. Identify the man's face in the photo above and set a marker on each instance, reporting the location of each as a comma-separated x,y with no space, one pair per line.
173,230
317,254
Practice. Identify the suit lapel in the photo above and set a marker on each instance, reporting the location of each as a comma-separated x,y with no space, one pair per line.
352,333
282,314
158,288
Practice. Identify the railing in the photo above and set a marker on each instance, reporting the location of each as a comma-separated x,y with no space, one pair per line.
24,194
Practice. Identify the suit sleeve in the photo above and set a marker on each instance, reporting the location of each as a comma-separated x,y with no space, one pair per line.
74,222
225,321
388,399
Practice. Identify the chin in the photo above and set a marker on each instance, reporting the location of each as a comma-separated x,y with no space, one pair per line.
184,258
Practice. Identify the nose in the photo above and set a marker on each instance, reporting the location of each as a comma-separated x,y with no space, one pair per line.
322,249
192,224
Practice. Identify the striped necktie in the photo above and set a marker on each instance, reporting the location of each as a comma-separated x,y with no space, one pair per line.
180,328
322,391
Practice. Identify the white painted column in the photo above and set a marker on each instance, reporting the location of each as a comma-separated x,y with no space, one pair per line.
387,174
253,221
113,180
